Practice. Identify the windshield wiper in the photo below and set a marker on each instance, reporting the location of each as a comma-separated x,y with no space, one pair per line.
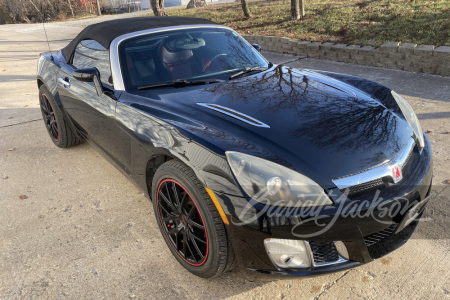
247,70
178,83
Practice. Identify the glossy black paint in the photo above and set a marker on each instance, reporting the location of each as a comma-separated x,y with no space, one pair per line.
323,125
351,229
315,128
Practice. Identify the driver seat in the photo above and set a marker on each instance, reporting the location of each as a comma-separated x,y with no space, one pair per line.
178,63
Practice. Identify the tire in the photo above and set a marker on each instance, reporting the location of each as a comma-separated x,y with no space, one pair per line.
176,215
60,133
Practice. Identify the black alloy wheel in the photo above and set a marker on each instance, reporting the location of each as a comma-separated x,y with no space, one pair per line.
57,127
189,222
49,118
183,222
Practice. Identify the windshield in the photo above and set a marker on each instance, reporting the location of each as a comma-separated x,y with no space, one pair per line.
188,54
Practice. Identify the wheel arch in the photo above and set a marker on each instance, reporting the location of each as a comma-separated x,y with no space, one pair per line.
53,89
47,74
153,163
40,82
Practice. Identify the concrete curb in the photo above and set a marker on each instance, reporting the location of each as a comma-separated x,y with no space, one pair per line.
393,55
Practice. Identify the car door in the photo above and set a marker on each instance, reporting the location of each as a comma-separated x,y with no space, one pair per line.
93,114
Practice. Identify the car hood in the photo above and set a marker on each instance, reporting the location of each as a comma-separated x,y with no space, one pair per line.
317,125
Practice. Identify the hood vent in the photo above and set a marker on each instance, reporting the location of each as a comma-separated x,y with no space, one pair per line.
235,114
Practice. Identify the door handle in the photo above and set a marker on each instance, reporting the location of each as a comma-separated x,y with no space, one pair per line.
64,83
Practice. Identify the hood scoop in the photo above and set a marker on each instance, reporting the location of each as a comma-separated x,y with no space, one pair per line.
235,114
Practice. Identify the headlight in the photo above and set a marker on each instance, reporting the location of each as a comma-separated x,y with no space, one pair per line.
270,183
410,116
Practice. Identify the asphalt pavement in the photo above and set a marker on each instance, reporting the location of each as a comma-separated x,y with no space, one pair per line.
72,226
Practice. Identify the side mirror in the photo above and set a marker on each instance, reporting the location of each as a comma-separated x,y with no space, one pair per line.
257,47
90,75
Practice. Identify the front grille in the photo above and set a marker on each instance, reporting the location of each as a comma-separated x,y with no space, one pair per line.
373,175
323,252
359,188
376,237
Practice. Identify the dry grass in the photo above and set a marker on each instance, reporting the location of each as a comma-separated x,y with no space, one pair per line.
364,22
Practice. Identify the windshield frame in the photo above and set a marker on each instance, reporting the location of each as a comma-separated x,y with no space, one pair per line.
114,48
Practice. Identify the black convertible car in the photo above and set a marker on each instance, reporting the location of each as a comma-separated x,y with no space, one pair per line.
286,171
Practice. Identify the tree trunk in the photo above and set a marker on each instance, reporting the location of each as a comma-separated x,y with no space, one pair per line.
158,7
295,10
99,12
302,8
161,7
71,8
247,13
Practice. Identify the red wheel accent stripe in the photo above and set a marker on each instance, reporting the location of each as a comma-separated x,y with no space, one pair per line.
171,243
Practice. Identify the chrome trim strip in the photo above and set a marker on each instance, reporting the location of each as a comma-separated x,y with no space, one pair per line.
114,48
372,174
235,114
381,171
402,156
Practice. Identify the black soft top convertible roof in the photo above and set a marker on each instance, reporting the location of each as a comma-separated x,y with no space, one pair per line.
106,32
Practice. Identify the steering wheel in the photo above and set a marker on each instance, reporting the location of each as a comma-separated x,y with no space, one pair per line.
209,63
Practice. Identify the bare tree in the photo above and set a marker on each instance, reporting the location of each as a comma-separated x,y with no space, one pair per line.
16,11
71,8
25,14
50,5
13,10
158,7
34,5
245,8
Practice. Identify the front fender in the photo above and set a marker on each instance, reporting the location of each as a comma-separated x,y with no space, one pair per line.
152,137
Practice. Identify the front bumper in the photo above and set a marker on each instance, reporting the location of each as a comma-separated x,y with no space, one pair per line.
367,225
